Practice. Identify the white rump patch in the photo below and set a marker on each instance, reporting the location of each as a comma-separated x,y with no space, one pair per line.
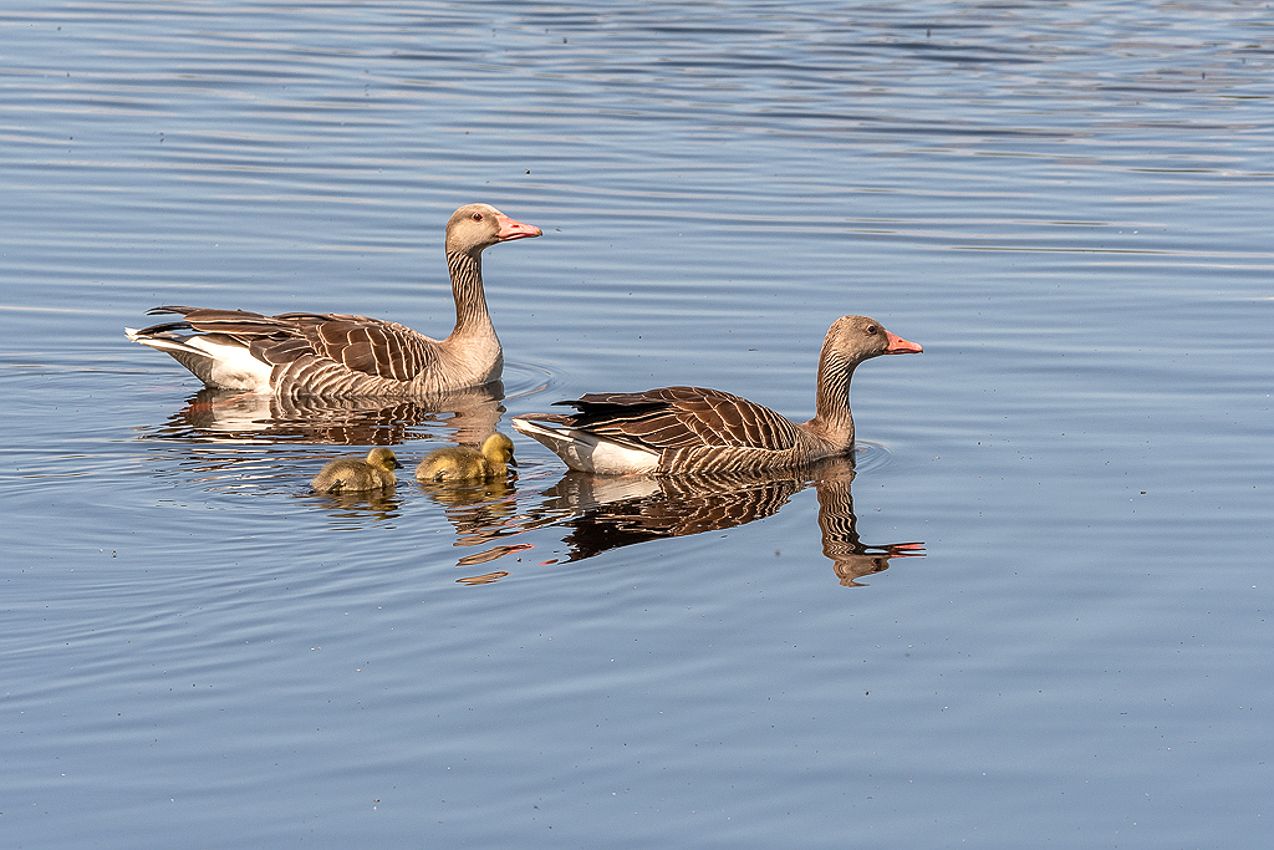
587,452
217,364
233,366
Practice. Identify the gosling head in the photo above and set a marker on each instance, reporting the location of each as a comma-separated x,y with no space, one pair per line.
383,458
498,448
476,227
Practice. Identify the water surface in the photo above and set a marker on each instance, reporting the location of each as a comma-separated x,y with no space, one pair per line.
1068,204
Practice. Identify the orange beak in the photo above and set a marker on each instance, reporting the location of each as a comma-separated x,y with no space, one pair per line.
898,345
510,229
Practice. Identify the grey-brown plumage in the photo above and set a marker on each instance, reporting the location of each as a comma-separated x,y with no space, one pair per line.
677,430
466,464
352,475
344,355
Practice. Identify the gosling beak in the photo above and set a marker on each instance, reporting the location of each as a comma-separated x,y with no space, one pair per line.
397,464
898,345
510,229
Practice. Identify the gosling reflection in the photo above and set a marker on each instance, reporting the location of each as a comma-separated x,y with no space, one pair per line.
231,416
482,513
606,513
358,505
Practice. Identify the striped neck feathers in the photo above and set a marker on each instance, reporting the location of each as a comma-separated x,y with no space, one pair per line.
833,420
466,289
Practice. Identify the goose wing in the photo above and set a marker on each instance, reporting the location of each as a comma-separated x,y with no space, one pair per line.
359,343
683,418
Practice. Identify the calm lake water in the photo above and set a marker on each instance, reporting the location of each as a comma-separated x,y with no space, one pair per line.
1038,615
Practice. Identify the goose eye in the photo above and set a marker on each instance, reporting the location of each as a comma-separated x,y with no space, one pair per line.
477,216
871,329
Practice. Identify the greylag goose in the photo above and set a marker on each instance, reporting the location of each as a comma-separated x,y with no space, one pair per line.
680,430
348,475
338,355
465,464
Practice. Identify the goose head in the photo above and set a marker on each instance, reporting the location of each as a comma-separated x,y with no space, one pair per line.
849,341
475,227
383,458
854,339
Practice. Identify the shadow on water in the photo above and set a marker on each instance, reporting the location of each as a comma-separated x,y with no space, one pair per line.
602,513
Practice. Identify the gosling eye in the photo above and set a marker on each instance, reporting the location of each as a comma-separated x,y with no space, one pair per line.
871,329
477,216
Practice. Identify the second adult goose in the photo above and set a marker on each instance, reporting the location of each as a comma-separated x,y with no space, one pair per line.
338,355
680,430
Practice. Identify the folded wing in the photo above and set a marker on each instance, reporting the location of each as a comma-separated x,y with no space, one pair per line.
359,343
671,418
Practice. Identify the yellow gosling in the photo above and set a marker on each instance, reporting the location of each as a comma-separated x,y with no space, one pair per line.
465,464
348,475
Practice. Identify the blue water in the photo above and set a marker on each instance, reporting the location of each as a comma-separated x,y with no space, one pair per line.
1043,620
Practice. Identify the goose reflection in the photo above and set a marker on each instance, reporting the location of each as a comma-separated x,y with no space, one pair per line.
606,513
234,440
231,416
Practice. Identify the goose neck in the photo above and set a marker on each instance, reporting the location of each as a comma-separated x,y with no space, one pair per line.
833,419
466,288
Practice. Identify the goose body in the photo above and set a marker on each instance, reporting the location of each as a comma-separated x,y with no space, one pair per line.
684,430
465,464
350,475
339,355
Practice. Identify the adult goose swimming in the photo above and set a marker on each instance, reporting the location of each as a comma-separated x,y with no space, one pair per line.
336,355
683,430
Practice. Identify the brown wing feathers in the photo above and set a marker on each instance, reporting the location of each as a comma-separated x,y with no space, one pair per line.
683,417
362,344
238,324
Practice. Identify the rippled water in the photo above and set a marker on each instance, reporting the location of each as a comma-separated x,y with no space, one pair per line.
1037,614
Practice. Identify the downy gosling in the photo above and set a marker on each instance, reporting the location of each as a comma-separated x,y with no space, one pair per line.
465,464
349,475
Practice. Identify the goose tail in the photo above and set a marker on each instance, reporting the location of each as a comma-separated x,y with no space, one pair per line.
583,450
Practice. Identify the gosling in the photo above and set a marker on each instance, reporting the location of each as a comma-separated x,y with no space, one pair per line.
465,464
348,475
